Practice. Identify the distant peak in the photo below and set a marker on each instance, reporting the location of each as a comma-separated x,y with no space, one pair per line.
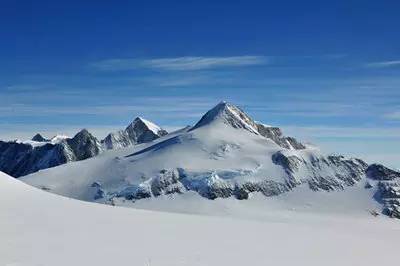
39,138
148,124
137,119
83,133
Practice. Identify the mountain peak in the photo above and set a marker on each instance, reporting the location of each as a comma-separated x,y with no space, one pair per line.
84,134
228,114
39,138
235,117
139,130
223,105
144,123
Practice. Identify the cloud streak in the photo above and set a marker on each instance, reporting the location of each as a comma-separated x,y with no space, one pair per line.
384,64
186,63
337,132
392,116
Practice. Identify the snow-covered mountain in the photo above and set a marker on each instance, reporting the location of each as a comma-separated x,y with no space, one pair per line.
225,155
19,158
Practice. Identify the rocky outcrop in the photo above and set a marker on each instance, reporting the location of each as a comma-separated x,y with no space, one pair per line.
380,172
388,183
275,134
330,173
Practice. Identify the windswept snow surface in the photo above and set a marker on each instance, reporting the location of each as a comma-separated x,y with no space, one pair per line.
40,228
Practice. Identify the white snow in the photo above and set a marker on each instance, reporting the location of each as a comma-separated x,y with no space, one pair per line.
58,138
39,228
150,125
33,143
54,140
216,147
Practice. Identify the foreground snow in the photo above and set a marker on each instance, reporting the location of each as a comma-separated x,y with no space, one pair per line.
39,228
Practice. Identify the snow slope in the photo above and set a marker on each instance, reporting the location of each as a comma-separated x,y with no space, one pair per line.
40,228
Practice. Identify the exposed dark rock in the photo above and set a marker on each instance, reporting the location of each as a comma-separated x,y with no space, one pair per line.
240,193
19,159
167,182
392,211
96,185
388,188
275,134
135,193
291,163
331,173
380,172
368,185
322,183
84,145
100,194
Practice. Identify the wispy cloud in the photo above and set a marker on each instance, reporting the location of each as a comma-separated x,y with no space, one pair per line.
180,63
337,132
372,144
392,115
384,64
161,107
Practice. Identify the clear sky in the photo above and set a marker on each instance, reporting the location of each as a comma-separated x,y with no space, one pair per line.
326,72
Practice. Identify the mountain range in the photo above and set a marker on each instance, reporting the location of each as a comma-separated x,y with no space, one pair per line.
226,154
18,158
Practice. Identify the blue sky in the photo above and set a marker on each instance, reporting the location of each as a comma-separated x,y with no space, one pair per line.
325,72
